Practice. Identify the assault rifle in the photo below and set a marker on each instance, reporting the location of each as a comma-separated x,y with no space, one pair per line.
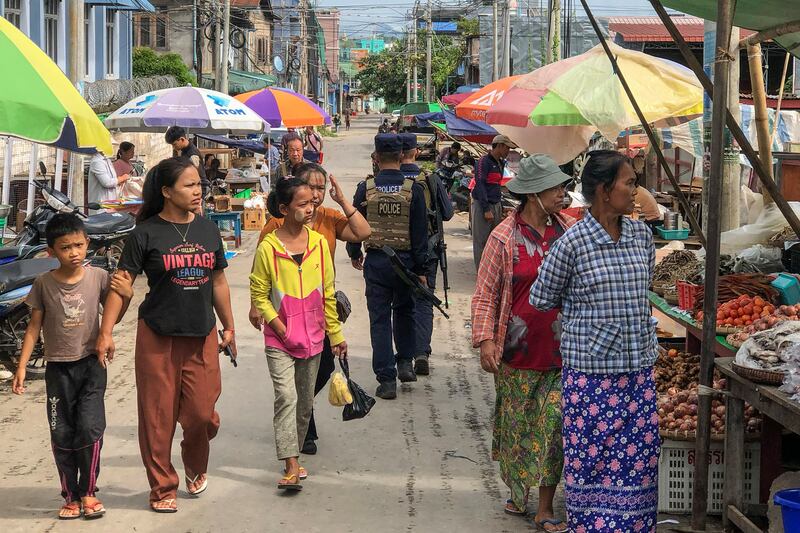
413,281
440,247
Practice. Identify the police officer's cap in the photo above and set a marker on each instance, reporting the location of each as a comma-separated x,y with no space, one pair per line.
409,141
387,143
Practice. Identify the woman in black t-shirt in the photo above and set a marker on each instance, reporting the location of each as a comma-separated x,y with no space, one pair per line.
177,351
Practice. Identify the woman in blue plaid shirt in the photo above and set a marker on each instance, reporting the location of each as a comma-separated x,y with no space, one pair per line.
599,273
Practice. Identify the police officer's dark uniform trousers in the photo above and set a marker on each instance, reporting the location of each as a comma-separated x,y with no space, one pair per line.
423,309
390,203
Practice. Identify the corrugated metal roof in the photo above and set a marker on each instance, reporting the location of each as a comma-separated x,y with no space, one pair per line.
651,29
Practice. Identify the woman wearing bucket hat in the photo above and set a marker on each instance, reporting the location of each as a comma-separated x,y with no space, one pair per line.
518,343
599,275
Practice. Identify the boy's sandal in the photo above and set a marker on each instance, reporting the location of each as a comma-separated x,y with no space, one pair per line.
559,525
167,505
286,484
303,474
93,510
70,511
199,489
512,509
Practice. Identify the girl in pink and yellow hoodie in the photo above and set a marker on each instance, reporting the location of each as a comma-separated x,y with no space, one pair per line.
292,286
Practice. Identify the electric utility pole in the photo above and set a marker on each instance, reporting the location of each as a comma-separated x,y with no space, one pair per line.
506,70
429,28
554,32
415,92
76,73
408,66
303,89
495,38
226,46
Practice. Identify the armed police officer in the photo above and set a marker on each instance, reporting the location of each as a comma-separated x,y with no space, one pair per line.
439,209
395,209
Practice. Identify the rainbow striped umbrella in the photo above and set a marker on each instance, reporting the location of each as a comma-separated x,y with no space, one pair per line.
38,103
284,107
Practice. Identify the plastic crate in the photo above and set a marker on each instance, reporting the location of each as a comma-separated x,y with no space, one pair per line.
673,234
687,294
676,470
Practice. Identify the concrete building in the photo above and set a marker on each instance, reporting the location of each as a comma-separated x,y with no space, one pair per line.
329,21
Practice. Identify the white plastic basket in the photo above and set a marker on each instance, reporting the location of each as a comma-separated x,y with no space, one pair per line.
676,470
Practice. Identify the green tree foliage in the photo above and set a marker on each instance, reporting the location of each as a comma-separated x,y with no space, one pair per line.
384,74
468,27
148,63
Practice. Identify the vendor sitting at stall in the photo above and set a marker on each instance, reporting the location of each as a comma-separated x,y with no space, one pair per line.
103,180
646,206
449,155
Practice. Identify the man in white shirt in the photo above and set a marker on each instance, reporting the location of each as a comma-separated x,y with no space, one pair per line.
103,180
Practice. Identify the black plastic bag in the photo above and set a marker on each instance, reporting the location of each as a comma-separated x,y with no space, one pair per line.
362,402
343,306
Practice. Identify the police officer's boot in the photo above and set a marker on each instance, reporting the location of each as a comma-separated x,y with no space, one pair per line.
405,371
421,367
387,390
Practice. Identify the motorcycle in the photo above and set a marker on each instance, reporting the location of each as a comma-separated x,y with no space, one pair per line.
16,280
106,231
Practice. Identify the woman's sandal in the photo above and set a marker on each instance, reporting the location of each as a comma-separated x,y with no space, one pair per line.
303,474
70,511
512,509
199,489
288,485
92,510
170,507
553,522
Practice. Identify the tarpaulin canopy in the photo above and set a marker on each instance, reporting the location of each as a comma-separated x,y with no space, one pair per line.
471,130
751,14
250,145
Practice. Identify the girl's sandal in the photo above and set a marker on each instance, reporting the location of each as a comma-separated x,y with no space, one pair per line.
303,473
93,509
167,505
286,483
70,511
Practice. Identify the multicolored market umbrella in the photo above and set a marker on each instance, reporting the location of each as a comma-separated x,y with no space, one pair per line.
557,108
38,103
479,102
284,107
198,110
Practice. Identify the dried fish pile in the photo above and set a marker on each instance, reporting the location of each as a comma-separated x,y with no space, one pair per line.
680,264
786,234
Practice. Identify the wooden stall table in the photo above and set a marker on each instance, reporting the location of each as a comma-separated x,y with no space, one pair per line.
694,334
229,216
241,184
778,411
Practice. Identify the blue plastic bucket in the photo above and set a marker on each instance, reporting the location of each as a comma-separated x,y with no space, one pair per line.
789,500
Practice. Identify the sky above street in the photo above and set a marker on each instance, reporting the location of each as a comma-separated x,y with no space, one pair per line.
361,17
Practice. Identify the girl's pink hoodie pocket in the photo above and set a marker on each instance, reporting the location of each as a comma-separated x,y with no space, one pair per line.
305,326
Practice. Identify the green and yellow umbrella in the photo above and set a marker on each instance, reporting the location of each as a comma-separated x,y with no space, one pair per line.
38,103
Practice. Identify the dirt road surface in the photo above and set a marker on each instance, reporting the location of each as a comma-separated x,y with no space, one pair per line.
419,463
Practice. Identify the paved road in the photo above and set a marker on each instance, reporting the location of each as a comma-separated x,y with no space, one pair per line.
419,463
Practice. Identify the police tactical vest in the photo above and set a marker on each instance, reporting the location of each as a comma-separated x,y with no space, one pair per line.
389,216
422,179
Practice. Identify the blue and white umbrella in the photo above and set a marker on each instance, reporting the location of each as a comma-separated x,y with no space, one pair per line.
197,110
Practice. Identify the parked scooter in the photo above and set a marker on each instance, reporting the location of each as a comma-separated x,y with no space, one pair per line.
107,231
16,280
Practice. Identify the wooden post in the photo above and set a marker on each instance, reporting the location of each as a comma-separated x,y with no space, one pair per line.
760,111
733,490
720,108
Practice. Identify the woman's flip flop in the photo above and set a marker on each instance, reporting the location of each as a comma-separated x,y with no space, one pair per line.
290,486
562,527
512,509
172,506
198,490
